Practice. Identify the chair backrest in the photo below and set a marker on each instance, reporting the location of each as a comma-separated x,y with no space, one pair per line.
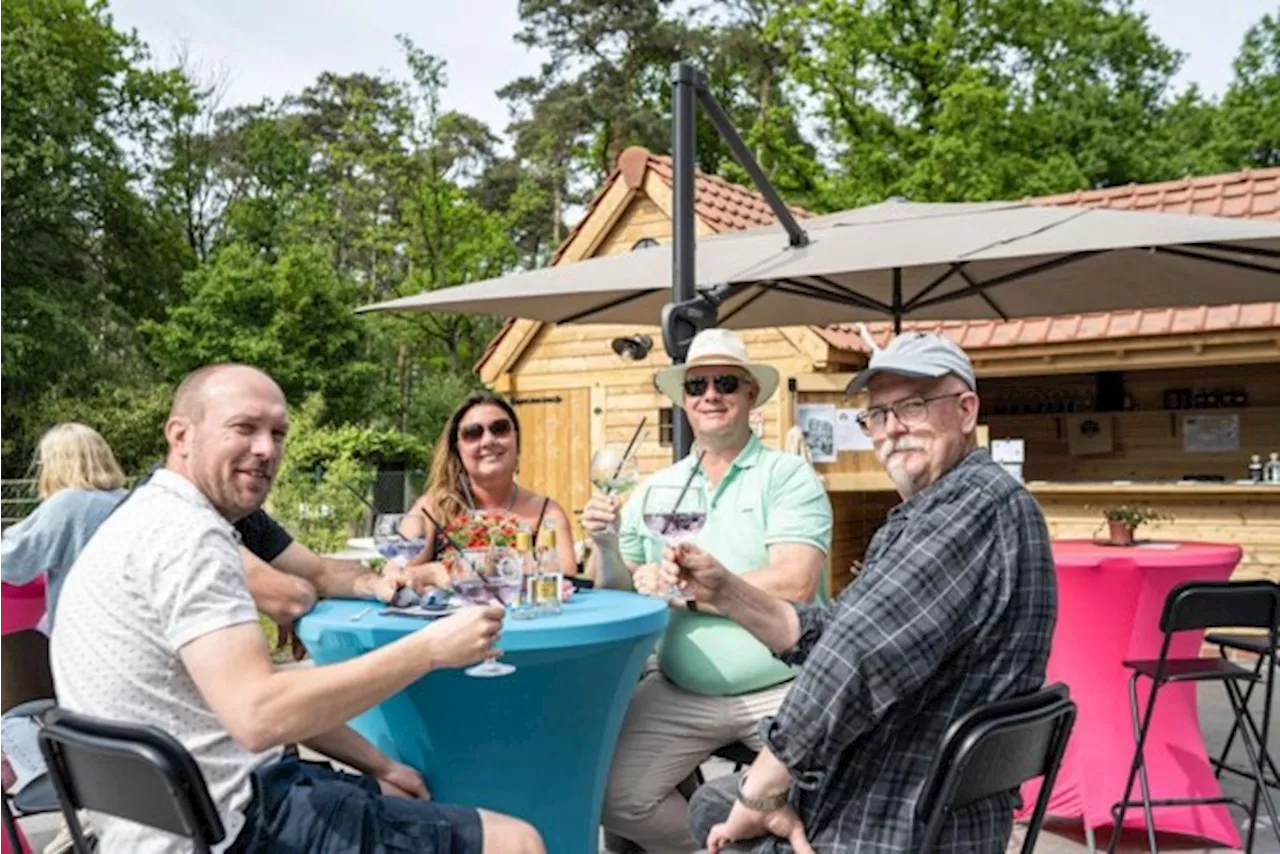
128,771
1195,605
995,748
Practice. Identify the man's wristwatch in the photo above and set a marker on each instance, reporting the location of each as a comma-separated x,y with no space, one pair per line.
765,804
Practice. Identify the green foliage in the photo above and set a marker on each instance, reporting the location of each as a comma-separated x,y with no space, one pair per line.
130,417
291,318
1133,515
326,470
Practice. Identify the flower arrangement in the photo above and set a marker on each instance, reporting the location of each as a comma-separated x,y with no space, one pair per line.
479,530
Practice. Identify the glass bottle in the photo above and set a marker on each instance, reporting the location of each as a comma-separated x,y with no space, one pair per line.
550,574
529,566
1271,473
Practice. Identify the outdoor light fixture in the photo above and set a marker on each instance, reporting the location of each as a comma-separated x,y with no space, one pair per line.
633,348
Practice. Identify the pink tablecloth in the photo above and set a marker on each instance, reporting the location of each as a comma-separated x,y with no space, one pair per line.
1109,604
23,605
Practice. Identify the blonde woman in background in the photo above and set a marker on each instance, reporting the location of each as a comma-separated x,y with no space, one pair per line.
474,468
79,484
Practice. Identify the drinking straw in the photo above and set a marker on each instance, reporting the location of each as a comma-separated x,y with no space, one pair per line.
674,507
627,453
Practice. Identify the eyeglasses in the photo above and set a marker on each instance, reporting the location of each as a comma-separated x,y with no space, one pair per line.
724,384
475,432
908,412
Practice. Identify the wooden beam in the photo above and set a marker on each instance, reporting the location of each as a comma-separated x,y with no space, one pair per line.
828,383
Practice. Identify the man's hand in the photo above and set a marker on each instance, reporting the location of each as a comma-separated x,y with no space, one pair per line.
647,580
744,824
423,575
401,781
600,518
694,571
465,637
381,586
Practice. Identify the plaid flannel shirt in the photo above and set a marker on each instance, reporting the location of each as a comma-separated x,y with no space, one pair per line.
955,608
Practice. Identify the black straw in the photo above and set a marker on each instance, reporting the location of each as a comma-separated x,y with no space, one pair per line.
627,453
672,515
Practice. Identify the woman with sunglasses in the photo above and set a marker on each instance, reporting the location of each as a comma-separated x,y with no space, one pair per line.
474,469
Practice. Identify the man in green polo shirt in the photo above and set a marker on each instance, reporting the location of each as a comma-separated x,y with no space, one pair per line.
769,519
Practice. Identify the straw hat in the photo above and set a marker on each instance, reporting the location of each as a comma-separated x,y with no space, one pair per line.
717,347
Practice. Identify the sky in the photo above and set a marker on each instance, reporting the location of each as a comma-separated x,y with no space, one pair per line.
278,47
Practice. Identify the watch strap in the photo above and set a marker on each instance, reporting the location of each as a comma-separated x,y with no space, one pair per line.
765,804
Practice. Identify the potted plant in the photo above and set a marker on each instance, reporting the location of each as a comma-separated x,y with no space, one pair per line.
1124,519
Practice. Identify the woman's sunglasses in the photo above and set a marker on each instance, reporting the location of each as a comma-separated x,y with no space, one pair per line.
475,432
724,384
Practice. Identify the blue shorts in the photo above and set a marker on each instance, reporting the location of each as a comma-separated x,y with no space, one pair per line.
302,806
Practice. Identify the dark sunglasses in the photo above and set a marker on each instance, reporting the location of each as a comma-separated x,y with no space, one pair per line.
475,432
724,383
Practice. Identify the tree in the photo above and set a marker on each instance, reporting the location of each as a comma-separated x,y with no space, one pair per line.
85,254
979,99
291,318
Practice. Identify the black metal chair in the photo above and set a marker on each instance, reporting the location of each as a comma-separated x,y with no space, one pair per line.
1265,656
1195,606
995,748
132,772
37,796
26,677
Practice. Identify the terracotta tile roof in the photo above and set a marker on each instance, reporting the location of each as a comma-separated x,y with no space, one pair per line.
721,204
1254,194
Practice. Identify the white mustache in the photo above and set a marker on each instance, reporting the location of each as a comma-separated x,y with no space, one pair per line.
903,443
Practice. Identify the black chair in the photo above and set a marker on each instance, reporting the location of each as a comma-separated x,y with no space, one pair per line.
1195,606
37,796
133,772
995,748
1264,656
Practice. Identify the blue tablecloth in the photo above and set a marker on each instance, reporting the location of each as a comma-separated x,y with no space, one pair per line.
535,744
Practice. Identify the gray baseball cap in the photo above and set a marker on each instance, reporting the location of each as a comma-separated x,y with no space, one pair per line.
917,354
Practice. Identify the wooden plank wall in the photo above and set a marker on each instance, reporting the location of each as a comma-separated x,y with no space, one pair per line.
1148,440
1253,522
857,516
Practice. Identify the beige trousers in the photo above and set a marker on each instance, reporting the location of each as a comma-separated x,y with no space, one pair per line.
669,732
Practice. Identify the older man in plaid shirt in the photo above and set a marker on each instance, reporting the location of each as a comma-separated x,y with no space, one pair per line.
954,608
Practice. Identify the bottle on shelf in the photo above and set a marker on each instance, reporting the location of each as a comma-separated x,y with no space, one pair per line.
1271,472
1255,468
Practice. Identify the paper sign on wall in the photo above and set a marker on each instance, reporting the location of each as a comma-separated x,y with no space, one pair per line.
849,435
1209,434
818,421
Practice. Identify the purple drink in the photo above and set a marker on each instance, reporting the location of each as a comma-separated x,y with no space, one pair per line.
675,527
400,548
472,589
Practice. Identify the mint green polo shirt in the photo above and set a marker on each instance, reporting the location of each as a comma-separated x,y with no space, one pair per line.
766,498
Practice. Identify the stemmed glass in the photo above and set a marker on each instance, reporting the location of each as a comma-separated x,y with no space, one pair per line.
674,518
392,544
505,585
614,474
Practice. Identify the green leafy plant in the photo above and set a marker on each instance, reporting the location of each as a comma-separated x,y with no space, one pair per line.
1133,516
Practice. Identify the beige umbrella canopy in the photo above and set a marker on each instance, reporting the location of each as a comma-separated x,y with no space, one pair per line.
896,259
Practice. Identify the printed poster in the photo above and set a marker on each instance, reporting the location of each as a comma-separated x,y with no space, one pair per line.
818,421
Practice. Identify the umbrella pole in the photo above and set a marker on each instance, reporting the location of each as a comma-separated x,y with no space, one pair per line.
685,80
